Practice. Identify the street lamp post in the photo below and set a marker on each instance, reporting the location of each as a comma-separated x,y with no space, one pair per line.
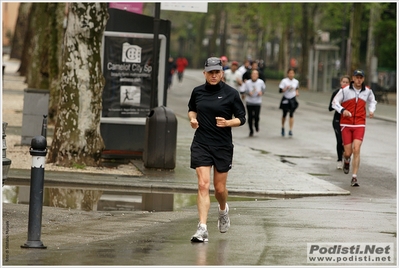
155,67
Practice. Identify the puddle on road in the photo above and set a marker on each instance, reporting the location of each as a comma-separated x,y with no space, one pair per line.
106,200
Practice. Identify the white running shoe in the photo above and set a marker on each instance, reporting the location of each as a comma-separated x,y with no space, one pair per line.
339,164
201,235
354,182
223,220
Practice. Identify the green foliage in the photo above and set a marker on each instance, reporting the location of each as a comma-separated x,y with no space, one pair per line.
334,15
385,37
274,74
78,166
335,19
386,40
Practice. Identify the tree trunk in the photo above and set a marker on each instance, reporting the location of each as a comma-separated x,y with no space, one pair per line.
216,25
41,58
199,55
37,72
355,30
303,68
77,139
375,12
20,31
27,44
283,51
223,39
259,43
56,36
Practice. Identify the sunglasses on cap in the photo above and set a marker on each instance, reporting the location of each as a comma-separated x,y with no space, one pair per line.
213,62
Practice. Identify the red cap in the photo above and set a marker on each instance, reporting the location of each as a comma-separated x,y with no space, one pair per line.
224,58
234,63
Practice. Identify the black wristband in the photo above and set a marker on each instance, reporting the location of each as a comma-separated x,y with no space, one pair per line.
343,109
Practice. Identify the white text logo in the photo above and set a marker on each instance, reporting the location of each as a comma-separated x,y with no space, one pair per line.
131,53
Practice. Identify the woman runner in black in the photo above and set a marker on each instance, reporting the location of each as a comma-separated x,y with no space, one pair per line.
213,109
345,80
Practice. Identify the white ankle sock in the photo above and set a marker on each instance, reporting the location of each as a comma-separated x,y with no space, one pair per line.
222,212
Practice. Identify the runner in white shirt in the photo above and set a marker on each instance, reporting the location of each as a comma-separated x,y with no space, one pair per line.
243,69
232,76
289,86
254,90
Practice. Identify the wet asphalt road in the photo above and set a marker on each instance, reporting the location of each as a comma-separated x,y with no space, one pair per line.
265,233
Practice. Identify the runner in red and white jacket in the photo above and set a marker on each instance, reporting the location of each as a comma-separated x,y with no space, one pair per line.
351,102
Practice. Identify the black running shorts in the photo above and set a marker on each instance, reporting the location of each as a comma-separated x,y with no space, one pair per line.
205,155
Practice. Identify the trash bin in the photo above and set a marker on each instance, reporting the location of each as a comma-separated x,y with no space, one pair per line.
36,103
160,139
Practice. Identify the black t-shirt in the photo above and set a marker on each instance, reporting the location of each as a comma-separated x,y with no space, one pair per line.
210,102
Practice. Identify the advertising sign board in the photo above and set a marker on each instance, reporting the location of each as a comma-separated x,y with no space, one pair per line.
127,68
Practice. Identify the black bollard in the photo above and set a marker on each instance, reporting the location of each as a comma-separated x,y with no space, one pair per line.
44,126
38,152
